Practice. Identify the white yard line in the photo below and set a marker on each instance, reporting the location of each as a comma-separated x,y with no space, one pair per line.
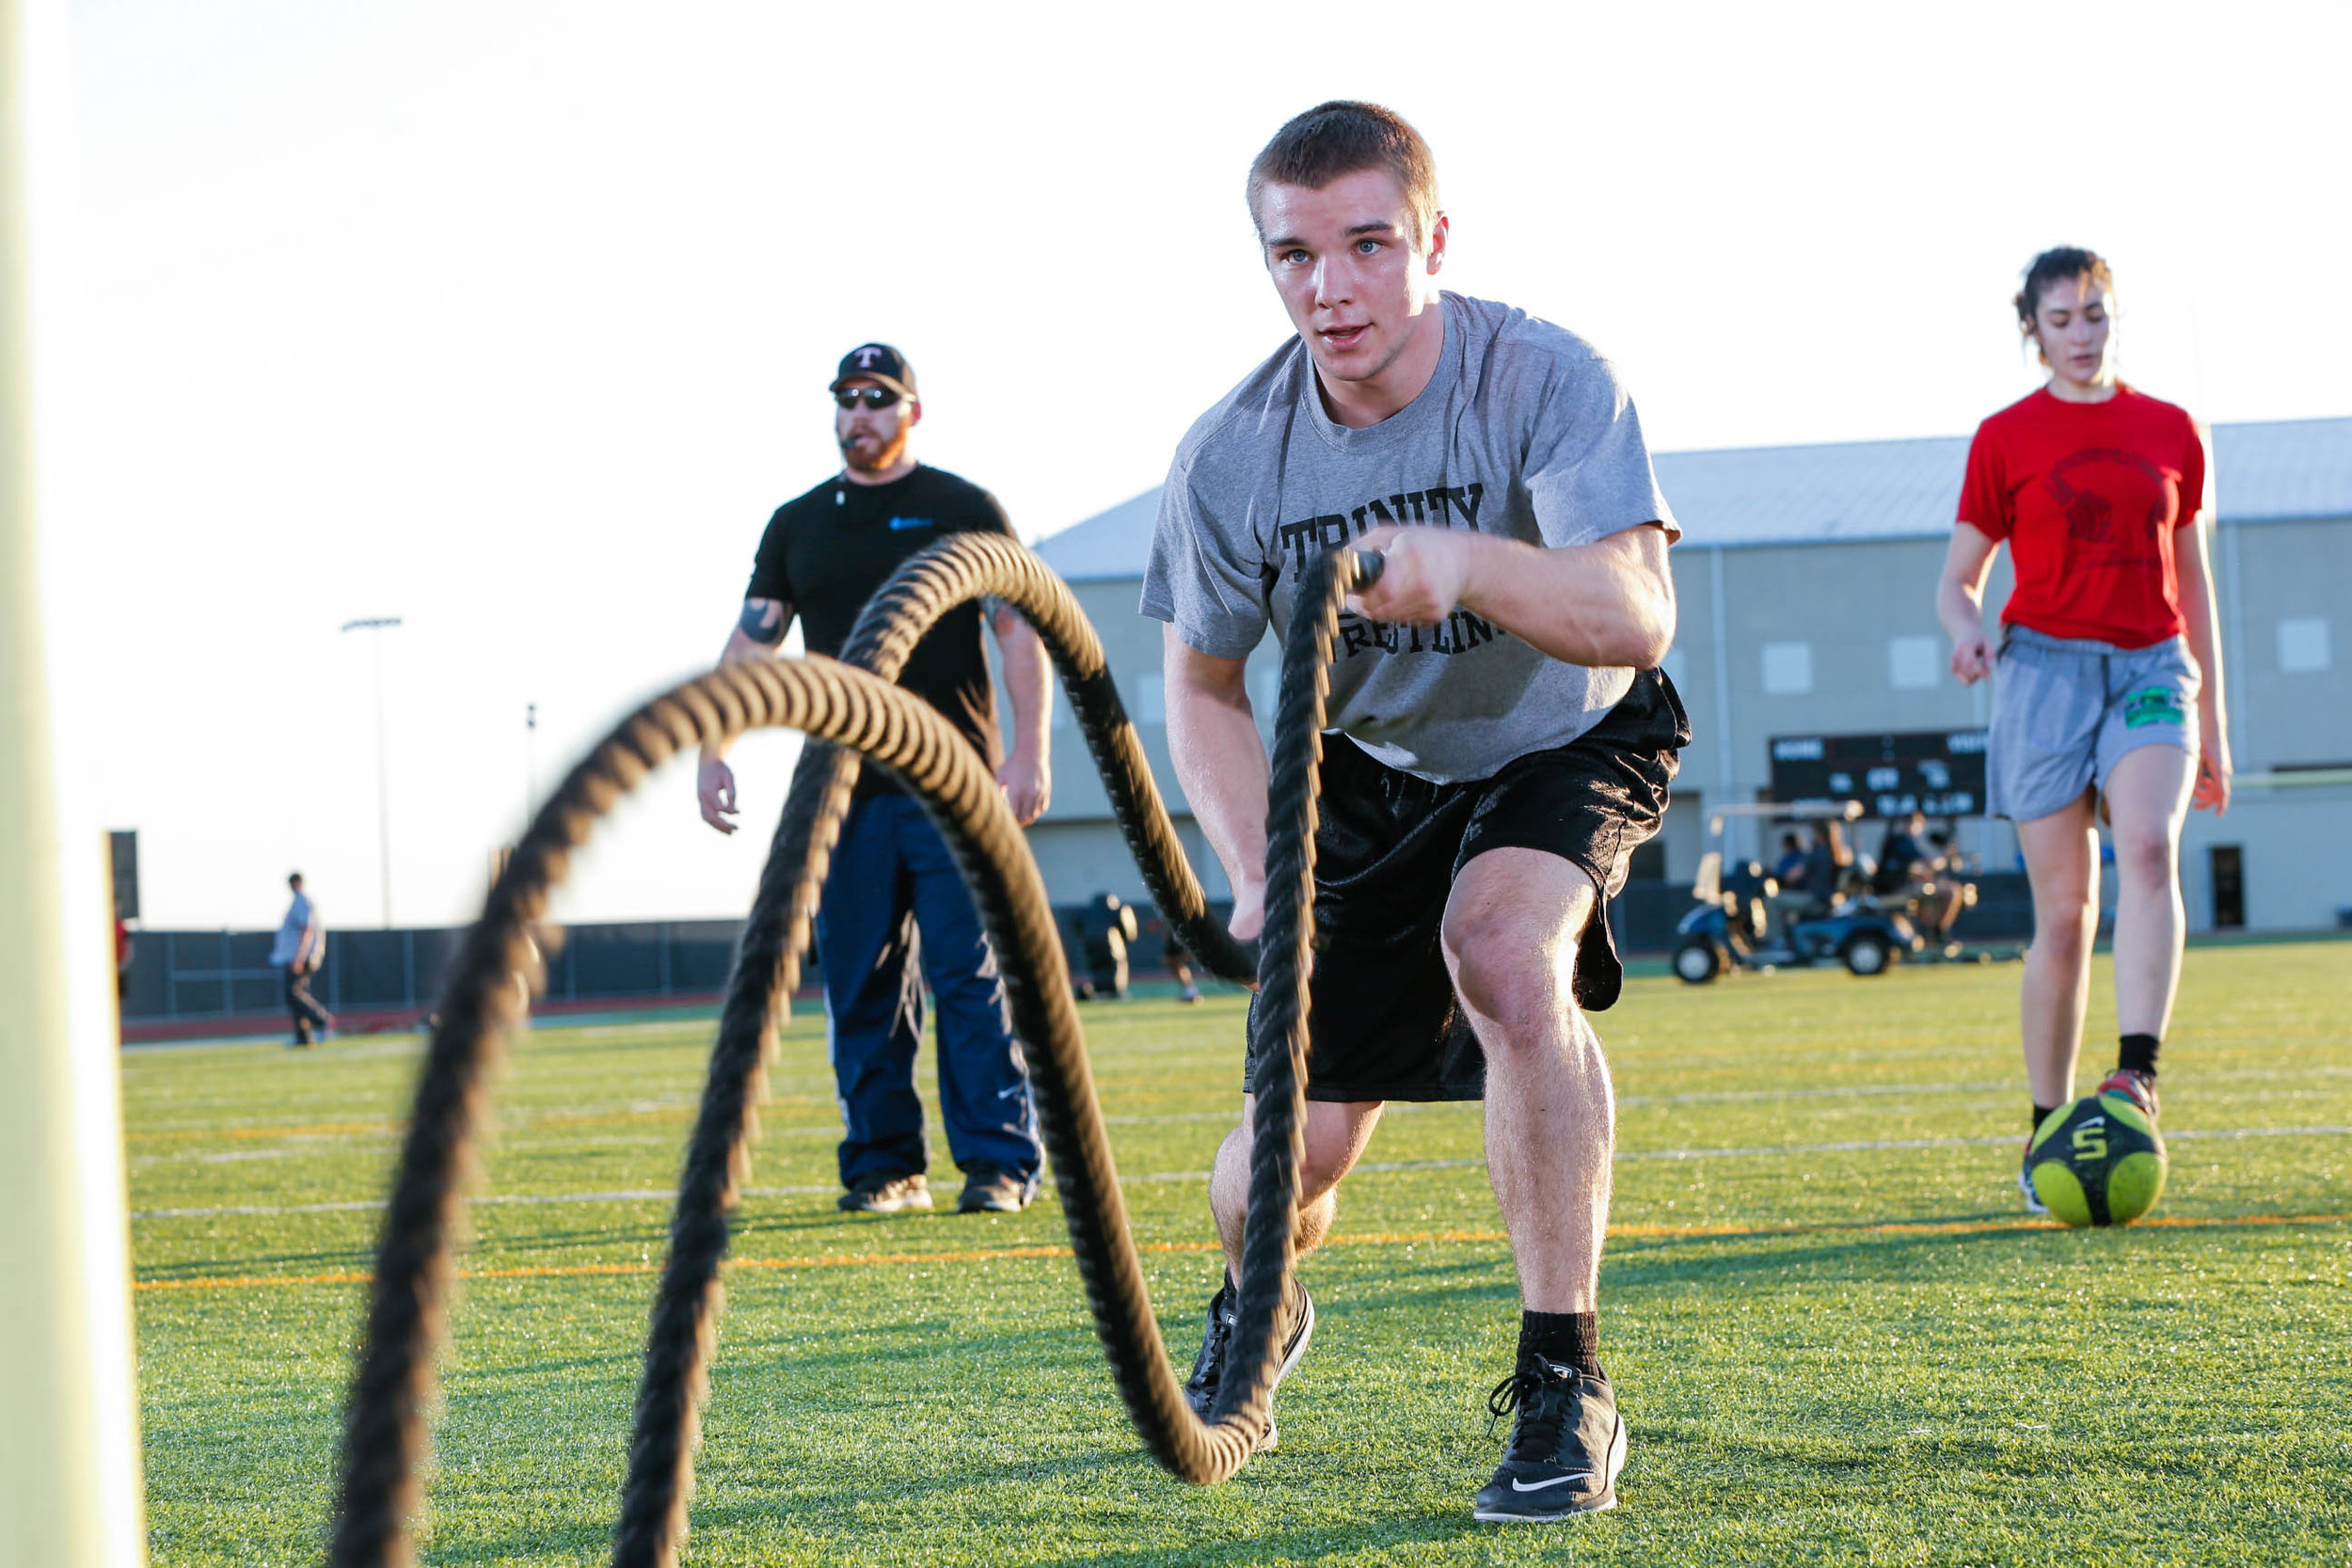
663,1195
544,1117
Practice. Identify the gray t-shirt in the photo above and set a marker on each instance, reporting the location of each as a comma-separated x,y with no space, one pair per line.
1523,432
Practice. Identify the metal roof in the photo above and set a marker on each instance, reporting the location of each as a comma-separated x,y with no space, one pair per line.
2283,469
1110,544
1744,496
1814,494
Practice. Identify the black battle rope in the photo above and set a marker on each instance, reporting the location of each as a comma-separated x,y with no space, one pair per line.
954,572
394,1383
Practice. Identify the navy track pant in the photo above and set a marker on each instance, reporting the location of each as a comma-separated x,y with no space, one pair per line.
896,917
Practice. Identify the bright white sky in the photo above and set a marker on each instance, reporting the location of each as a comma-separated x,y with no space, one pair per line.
514,319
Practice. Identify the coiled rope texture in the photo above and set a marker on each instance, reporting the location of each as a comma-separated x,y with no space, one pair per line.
851,705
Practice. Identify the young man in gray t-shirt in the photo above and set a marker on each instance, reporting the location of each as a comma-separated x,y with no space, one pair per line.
1504,739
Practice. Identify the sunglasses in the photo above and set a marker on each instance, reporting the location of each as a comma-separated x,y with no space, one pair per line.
872,397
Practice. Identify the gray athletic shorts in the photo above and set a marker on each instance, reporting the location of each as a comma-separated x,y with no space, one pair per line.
2065,710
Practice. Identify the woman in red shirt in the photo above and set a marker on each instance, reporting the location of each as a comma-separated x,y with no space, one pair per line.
2109,688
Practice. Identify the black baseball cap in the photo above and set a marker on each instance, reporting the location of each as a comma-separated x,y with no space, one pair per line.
876,362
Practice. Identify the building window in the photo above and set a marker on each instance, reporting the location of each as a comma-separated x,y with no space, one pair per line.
1787,669
2303,646
1150,700
1671,664
1915,663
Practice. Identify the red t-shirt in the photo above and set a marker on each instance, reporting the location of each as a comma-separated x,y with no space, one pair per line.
2089,495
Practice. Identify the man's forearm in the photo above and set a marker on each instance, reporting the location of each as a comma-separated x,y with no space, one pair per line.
1603,605
1028,681
760,634
1221,766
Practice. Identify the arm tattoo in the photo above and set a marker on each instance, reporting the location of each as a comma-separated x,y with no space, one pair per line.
763,621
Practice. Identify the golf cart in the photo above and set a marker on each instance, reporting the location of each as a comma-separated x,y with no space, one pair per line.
1732,924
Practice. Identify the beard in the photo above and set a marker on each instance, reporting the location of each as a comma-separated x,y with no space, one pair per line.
879,454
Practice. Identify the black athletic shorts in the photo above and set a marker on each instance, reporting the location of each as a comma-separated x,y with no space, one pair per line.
1385,1022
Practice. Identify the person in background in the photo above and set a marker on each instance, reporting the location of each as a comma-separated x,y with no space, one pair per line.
1915,876
299,950
1178,964
1829,862
897,917
1789,871
1904,855
1801,889
2107,700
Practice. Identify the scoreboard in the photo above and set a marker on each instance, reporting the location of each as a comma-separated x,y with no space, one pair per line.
1940,772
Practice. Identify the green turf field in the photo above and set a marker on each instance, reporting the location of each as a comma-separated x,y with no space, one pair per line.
1836,1339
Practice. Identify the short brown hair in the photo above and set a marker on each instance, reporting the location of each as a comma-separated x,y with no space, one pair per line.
1343,138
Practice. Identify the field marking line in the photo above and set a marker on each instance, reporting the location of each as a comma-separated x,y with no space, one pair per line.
353,1206
1374,1167
1405,1238
505,1146
575,1115
641,1109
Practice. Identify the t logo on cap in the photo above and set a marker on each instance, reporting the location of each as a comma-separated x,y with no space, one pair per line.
880,363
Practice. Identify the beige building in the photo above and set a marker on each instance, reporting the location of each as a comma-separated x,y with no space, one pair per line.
1806,577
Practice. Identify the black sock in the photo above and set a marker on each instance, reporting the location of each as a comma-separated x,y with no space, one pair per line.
1571,1337
2140,1053
2040,1115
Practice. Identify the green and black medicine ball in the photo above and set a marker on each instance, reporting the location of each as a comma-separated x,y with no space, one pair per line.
2099,1160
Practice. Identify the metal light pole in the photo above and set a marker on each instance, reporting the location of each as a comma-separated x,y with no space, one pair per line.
383,794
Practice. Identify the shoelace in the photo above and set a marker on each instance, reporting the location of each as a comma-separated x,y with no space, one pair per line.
1223,1319
2139,1086
1212,1369
1540,1421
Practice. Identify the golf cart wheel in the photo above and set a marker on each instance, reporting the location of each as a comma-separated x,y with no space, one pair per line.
1866,953
1697,963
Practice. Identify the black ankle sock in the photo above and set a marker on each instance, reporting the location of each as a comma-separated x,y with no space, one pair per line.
2040,1115
1572,1338
2140,1053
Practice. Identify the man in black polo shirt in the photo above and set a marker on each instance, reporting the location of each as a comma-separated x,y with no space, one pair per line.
894,901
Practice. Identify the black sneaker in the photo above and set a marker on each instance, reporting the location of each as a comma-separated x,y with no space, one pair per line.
1208,1371
993,1190
886,1194
1567,1446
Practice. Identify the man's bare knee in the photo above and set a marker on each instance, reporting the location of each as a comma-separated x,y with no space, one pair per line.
1335,1133
1516,967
